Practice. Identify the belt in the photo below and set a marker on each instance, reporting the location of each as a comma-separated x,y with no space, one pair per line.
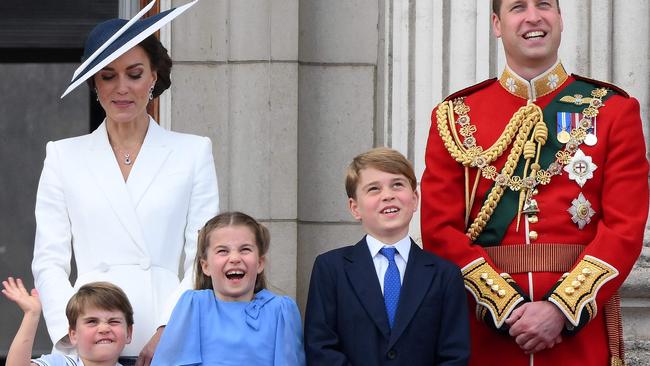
522,258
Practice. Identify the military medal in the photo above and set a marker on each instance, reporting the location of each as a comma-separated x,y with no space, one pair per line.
578,100
581,211
563,127
580,168
591,138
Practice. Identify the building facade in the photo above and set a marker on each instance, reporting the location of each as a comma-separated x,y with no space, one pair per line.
290,90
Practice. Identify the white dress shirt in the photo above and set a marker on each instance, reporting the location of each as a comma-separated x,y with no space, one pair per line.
403,247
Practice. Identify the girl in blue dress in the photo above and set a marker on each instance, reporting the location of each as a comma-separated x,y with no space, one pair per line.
231,318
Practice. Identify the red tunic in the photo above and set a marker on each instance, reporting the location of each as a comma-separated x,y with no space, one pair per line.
618,192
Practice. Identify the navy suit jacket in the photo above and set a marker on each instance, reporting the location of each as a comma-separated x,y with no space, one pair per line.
346,321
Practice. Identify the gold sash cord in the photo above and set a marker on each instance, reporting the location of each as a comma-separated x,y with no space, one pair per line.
522,258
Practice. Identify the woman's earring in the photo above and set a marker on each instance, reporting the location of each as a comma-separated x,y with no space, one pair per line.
151,93
96,95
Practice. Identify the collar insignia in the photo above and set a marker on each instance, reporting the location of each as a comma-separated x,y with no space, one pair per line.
539,86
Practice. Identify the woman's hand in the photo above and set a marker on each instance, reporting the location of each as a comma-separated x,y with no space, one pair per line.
15,291
146,355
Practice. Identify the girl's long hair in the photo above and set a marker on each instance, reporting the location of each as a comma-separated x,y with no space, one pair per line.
234,218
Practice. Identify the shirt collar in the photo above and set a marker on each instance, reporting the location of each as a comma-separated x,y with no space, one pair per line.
545,83
403,246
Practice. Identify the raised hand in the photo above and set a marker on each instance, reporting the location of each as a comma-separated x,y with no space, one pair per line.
15,290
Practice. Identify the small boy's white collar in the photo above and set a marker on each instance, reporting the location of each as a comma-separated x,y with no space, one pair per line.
403,246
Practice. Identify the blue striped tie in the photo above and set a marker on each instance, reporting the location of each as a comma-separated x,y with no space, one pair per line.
392,284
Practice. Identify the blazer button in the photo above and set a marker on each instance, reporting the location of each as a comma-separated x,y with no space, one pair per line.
145,263
103,267
391,355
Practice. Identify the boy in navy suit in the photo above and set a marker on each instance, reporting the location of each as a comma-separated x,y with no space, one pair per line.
384,301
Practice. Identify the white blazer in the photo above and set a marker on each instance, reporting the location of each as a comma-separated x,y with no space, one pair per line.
131,233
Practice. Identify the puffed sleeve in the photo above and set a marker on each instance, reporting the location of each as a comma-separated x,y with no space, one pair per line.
53,248
180,343
289,348
204,204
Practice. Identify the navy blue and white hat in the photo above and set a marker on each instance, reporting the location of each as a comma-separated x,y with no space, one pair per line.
112,38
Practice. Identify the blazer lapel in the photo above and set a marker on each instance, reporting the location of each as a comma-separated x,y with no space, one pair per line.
363,277
417,279
152,155
102,164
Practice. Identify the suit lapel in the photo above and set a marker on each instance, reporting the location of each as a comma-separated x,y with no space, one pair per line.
417,280
363,277
102,164
152,155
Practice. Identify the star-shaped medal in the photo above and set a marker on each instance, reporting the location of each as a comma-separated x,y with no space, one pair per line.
580,168
581,211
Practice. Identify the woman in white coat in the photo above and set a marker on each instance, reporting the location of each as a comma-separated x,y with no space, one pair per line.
128,199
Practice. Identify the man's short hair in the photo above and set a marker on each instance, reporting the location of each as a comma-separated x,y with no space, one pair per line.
100,295
383,159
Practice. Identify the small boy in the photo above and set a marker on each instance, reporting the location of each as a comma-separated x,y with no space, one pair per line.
100,318
384,301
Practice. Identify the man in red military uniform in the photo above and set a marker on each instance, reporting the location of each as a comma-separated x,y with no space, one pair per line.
536,186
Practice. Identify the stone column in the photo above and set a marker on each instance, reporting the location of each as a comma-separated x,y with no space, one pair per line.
336,119
236,81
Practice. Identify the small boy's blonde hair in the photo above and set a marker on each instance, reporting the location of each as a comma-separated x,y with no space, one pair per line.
381,158
100,295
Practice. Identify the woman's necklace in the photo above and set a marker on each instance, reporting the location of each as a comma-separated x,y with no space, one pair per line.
125,157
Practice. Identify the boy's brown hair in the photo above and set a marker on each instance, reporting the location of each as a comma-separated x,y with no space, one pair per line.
383,159
262,241
101,295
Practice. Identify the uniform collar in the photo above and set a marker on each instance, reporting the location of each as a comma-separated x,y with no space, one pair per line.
545,83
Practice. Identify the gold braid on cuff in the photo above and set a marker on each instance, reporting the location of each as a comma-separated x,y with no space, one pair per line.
578,289
492,290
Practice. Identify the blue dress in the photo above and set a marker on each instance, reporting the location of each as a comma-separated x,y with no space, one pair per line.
204,330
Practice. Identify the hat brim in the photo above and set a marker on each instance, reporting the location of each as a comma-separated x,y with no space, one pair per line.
127,37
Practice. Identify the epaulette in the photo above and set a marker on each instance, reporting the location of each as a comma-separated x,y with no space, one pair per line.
603,84
471,89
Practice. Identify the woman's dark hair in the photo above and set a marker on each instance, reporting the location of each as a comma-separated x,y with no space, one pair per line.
160,62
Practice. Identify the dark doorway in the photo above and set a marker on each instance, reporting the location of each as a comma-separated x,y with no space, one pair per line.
41,44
